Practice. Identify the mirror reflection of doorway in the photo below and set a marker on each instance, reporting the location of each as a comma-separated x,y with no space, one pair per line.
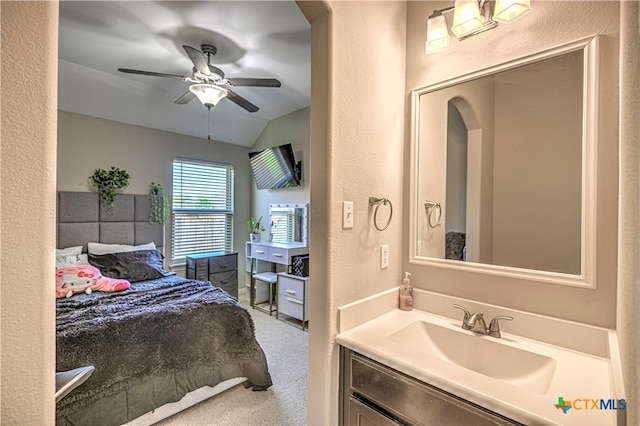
463,209
456,195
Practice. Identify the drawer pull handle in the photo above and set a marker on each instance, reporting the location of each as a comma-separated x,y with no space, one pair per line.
291,291
260,251
296,301
277,255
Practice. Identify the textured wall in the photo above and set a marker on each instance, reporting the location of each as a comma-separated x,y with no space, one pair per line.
628,318
292,128
357,122
29,99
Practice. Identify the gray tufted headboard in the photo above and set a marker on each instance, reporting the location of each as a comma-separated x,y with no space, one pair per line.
83,218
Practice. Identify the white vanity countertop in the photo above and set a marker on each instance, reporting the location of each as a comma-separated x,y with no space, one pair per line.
581,376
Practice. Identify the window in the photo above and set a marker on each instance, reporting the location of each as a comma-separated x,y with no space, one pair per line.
202,208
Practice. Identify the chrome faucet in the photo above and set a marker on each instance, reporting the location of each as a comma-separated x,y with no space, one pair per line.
476,323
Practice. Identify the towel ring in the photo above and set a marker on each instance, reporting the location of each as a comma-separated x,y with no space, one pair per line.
378,201
435,206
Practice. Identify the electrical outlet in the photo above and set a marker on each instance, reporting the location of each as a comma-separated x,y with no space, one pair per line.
347,214
384,256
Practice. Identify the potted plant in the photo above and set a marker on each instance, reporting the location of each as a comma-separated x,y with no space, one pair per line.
254,227
109,183
159,204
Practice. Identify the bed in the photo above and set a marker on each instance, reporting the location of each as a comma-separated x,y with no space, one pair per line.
154,342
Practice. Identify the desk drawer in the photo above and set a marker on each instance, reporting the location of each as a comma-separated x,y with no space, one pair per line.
279,255
291,306
289,287
223,263
260,252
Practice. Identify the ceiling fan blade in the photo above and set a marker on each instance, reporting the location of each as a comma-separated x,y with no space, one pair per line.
186,98
257,82
242,102
153,74
198,59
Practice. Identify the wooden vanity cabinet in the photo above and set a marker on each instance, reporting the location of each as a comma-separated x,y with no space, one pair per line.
374,394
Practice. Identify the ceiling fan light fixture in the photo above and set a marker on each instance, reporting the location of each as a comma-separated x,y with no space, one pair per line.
208,94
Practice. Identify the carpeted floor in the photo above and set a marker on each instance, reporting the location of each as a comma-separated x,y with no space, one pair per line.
285,403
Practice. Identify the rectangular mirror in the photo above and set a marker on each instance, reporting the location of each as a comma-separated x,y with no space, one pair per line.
503,168
288,223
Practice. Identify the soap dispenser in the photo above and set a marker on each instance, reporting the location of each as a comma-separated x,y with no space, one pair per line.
406,293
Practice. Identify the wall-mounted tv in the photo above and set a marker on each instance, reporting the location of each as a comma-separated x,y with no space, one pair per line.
275,167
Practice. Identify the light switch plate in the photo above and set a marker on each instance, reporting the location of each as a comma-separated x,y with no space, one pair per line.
347,214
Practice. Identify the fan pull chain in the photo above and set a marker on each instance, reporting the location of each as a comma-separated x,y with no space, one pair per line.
209,110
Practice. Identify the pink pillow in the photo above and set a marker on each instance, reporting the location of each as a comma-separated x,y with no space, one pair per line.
71,280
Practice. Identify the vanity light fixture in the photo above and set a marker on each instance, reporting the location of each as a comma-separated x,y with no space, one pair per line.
471,17
508,11
437,33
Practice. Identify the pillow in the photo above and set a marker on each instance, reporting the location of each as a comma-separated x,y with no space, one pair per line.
69,251
64,261
99,248
72,280
68,256
133,266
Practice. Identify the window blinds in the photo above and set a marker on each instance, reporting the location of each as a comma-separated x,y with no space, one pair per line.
202,207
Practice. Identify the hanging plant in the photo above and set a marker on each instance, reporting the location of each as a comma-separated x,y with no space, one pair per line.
109,183
159,204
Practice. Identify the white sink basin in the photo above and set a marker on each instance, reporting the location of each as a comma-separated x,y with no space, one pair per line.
482,354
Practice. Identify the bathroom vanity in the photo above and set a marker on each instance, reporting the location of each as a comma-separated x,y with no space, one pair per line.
372,393
421,367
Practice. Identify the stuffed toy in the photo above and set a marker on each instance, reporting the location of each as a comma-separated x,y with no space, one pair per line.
76,279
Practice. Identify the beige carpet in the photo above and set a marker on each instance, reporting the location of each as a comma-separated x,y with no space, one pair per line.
285,403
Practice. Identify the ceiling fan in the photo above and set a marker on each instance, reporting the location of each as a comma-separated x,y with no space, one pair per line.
207,80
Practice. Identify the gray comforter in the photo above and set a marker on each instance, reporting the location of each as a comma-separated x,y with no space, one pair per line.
170,335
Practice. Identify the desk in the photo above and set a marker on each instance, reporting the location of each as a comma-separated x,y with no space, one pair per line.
271,255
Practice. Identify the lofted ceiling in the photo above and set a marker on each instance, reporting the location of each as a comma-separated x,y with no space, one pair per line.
254,39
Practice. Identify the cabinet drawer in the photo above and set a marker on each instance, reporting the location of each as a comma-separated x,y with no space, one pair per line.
290,287
222,263
227,280
197,263
260,252
412,401
361,414
292,307
279,255
223,278
198,274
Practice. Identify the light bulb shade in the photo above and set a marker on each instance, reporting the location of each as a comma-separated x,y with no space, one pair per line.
437,34
507,11
466,18
208,94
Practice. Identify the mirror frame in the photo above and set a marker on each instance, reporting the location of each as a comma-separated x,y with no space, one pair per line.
305,220
589,45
